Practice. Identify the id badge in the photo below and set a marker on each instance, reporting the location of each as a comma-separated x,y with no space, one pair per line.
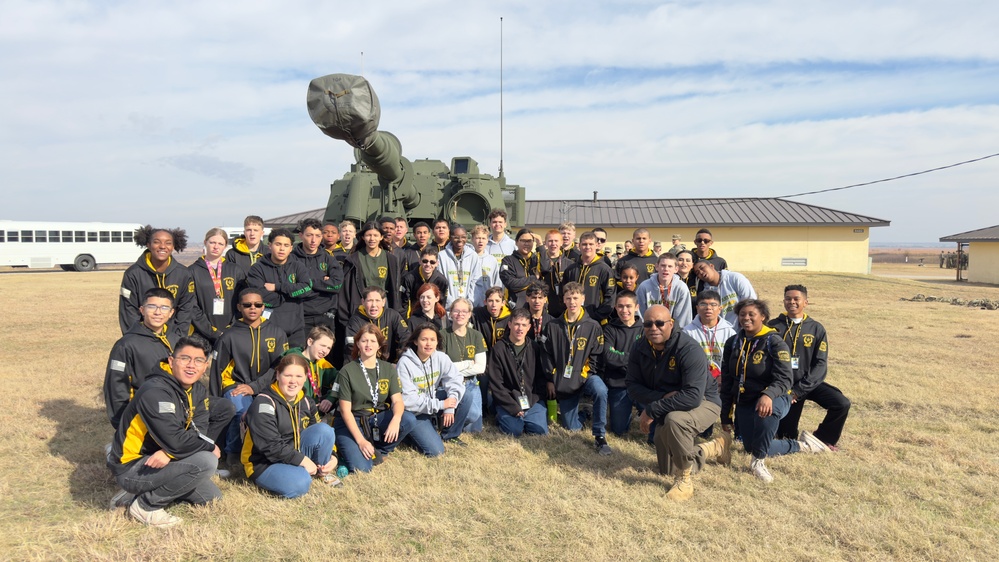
376,434
525,404
267,314
218,307
567,374
794,362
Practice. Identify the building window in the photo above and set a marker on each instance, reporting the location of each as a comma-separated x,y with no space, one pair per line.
794,262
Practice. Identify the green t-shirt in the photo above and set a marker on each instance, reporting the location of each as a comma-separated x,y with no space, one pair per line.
374,269
463,348
356,388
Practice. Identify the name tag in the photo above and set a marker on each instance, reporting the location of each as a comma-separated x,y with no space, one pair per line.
218,307
267,314
525,404
794,362
567,374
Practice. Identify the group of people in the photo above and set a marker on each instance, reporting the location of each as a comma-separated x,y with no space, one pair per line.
322,355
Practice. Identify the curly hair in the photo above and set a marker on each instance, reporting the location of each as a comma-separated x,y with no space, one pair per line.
143,237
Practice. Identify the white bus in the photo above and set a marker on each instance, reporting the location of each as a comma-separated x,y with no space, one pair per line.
79,246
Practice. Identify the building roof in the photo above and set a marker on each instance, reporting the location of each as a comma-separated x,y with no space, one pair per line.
745,211
990,234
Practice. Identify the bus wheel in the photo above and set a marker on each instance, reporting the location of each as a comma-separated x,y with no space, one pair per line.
85,262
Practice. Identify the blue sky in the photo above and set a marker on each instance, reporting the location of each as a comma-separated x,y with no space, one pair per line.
193,114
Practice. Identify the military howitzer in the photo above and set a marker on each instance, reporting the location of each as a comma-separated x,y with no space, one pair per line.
383,182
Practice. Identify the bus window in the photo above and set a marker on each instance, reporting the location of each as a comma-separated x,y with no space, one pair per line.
12,236
39,236
67,235
91,237
79,236
53,236
105,236
116,236
127,236
1,236
26,236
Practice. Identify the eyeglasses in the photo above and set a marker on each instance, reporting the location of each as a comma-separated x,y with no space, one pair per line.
601,240
703,241
429,262
656,323
251,304
526,241
460,312
187,359
708,305
160,307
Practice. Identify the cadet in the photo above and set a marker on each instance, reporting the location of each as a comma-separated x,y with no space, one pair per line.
553,266
731,285
319,304
595,276
284,284
666,288
388,321
156,268
458,264
620,334
520,269
246,249
518,388
217,283
500,245
640,254
427,272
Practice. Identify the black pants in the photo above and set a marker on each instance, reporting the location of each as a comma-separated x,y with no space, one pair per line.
837,409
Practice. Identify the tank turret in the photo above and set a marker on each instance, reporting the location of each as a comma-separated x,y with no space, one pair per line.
383,182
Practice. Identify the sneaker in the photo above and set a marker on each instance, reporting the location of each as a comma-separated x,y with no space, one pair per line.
223,474
332,481
811,443
602,447
154,518
121,499
456,441
760,470
378,459
233,460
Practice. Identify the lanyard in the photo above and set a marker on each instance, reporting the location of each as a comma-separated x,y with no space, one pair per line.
520,366
367,379
190,410
216,276
665,291
797,332
746,348
571,332
314,378
713,342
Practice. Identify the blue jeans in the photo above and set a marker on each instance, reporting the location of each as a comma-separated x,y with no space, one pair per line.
461,413
473,422
188,479
350,453
619,407
233,440
424,437
535,421
595,388
758,433
290,481
486,396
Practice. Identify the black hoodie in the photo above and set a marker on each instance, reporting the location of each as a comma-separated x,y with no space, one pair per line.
133,357
619,340
206,323
245,355
681,366
140,277
327,280
274,427
292,287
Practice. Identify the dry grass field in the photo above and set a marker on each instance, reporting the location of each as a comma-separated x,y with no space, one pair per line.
917,477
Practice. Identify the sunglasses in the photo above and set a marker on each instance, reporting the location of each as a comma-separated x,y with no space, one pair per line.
429,262
702,241
656,323
251,304
601,240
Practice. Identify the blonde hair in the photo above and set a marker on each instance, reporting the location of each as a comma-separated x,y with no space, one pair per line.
217,232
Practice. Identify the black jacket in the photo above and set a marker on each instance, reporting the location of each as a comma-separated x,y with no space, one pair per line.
326,274
292,287
392,326
412,280
517,273
208,325
581,349
552,271
646,265
133,357
599,286
765,362
157,418
619,340
274,427
140,277
492,329
245,355
681,367
353,284
807,341
510,377
241,256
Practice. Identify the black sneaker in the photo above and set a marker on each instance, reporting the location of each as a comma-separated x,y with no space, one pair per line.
379,459
121,499
602,447
456,441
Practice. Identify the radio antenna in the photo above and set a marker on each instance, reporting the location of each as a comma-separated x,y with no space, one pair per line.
501,98
362,63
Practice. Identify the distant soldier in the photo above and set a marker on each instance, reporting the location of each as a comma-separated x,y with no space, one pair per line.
677,245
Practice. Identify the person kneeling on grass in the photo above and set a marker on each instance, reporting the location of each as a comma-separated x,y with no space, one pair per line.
366,429
433,391
518,389
322,375
286,443
756,388
164,450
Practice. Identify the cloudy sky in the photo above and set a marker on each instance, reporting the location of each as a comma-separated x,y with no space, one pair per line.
193,114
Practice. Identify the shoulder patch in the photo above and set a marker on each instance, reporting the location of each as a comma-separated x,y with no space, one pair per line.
125,292
167,408
266,408
784,356
822,346
117,365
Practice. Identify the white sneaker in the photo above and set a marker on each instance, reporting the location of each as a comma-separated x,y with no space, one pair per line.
222,473
811,443
155,518
760,470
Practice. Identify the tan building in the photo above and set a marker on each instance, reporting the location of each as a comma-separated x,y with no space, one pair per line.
982,247
752,234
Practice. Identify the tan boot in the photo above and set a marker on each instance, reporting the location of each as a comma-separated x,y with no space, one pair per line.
718,449
683,487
